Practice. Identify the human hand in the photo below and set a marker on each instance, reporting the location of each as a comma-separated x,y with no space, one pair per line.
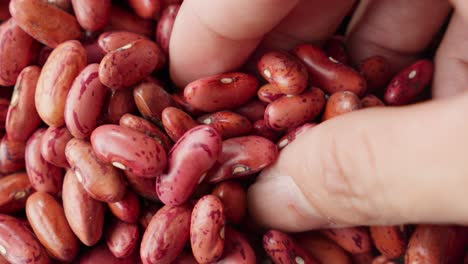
377,166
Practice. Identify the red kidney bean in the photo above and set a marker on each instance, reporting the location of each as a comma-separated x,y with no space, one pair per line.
216,92
84,102
207,229
11,155
128,209
269,93
16,52
260,128
390,240
237,249
122,238
371,101
409,83
327,73
241,157
53,145
151,99
283,249
146,8
377,71
166,235
112,40
14,190
118,103
92,15
291,135
292,111
336,48
234,199
165,25
227,123
341,103
284,71
62,4
4,105
145,187
44,176
18,244
122,20
147,213
355,240
323,249
22,118
102,181
44,22
129,64
198,148
47,219
176,122
129,150
253,110
182,103
102,254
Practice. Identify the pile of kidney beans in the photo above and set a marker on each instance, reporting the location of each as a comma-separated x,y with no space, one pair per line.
103,160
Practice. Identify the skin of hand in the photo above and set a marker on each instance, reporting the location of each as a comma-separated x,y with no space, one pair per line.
371,167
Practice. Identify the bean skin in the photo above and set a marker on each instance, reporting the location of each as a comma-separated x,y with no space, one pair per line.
323,249
165,25
341,103
127,209
282,249
234,199
14,190
227,123
335,47
145,187
117,104
146,8
92,15
355,240
122,20
11,155
237,249
176,122
291,135
53,144
391,241
122,238
102,254
269,93
253,110
260,128
371,101
377,71
112,40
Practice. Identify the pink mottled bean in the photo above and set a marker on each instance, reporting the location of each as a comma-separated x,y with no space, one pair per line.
11,155
234,199
127,209
92,15
145,187
146,8
112,40
122,238
355,240
129,150
335,47
14,190
269,93
101,254
183,105
391,241
199,149
371,101
165,25
176,122
117,103
207,229
53,145
84,102
227,123
253,110
341,103
291,136
282,249
237,249
260,128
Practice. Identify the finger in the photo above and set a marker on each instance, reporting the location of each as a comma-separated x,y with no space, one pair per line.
214,36
462,7
396,29
375,166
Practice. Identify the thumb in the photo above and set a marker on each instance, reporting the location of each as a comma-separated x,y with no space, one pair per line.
380,166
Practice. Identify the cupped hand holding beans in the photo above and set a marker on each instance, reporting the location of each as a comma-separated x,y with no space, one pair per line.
378,166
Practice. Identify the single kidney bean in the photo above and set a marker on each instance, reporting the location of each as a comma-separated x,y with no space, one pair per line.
260,128
335,47
165,25
53,144
269,93
227,123
323,249
14,190
129,64
146,8
128,209
44,22
327,73
129,150
63,65
142,125
341,103
122,20
371,101
207,229
377,71
102,254
151,99
16,52
18,244
147,213
355,240
112,40
183,105
22,118
122,238
198,148
92,15
11,155
295,110
253,110
84,214
176,122
62,4
237,249
390,240
145,187
166,235
185,258
84,102
4,105
102,181
118,103
409,83
284,71
47,218
234,199
242,156
291,135
216,92
44,176
282,249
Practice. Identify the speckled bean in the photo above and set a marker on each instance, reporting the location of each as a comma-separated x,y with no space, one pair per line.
237,249
216,93
323,249
127,209
11,155
355,240
53,145
14,190
269,93
234,199
293,134
122,238
146,8
341,103
129,150
112,40
242,156
122,20
183,105
92,15
377,71
145,187
102,254
389,240
335,47
260,128
227,123
198,148
165,25
371,101
176,122
253,110
282,249
118,103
